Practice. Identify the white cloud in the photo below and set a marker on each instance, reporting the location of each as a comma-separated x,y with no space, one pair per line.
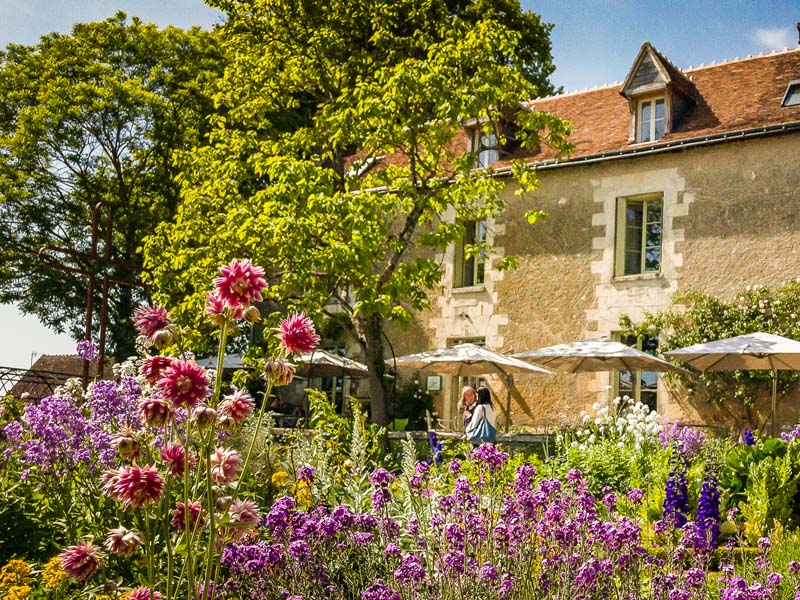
775,38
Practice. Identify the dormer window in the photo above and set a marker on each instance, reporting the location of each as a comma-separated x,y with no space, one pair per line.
792,96
651,120
486,146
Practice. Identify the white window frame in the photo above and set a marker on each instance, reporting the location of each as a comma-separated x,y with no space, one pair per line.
486,145
651,102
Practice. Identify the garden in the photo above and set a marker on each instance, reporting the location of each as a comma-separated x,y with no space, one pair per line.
167,482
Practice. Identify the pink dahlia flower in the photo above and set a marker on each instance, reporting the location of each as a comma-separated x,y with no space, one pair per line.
225,465
184,383
278,372
240,283
143,593
155,412
179,516
133,485
244,511
122,542
238,406
222,315
81,561
152,366
149,320
297,334
175,458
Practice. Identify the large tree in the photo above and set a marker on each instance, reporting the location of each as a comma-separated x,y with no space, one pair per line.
91,117
340,165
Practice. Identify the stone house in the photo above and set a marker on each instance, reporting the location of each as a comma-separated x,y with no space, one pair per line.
679,179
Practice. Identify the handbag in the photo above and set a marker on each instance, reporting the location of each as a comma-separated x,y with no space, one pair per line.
482,432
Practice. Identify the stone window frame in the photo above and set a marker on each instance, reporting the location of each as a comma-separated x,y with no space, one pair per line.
620,237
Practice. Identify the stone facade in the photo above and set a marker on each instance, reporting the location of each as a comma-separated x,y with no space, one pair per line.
731,217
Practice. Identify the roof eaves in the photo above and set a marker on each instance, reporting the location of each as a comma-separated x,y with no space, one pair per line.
670,146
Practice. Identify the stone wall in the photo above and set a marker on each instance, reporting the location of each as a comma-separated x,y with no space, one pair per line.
731,217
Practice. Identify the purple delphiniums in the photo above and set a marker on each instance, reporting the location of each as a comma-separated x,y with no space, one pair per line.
676,502
708,509
748,437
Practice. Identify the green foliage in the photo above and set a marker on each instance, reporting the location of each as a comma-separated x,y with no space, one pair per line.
695,317
338,165
762,481
93,116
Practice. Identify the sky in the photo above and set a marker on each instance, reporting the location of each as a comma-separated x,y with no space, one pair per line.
594,43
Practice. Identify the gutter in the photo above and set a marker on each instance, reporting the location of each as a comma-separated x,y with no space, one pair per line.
673,146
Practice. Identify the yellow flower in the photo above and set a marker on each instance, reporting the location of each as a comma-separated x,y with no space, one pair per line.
16,572
104,597
53,574
17,592
279,478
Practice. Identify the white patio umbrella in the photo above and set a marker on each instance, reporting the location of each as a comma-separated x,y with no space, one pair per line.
602,354
751,352
470,359
320,363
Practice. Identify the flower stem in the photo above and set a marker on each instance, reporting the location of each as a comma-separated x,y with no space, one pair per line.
259,419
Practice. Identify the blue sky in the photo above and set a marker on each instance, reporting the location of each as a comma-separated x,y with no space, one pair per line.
594,43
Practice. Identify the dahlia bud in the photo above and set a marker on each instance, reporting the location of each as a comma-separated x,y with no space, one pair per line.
122,542
223,503
204,416
155,412
278,372
252,315
164,338
226,422
126,444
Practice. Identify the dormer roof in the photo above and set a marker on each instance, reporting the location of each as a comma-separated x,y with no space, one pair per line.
735,99
652,71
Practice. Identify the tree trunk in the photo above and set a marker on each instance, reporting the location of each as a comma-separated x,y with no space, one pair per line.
369,332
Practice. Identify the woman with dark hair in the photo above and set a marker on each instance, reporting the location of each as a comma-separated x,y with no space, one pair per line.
481,427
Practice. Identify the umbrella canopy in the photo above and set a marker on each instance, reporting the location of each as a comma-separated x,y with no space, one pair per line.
466,359
470,359
751,352
324,364
600,354
231,361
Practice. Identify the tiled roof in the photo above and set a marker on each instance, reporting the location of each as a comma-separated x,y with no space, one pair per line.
732,96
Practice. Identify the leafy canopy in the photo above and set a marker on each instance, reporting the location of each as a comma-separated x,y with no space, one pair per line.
340,164
89,117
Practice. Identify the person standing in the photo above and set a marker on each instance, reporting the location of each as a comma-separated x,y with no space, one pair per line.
467,403
481,427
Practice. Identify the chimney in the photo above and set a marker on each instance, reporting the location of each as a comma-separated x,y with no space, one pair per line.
798,33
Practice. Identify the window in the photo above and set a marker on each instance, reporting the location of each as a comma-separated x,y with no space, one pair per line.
471,255
486,146
792,96
651,119
638,244
641,386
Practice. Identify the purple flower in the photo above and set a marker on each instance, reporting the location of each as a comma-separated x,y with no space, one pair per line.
636,495
489,457
488,572
379,591
686,441
306,473
380,477
676,502
455,466
708,511
749,437
87,351
410,570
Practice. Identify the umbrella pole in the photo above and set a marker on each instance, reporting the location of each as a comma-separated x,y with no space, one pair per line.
508,401
774,398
